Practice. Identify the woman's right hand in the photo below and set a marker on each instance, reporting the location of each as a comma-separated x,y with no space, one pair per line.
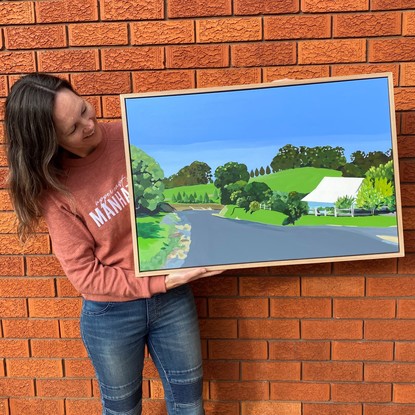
175,279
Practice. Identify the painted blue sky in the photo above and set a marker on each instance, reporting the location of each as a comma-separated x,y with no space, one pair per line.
250,126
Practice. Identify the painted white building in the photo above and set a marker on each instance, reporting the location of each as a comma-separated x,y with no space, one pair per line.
330,189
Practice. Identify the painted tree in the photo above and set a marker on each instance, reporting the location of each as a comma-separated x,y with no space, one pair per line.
148,181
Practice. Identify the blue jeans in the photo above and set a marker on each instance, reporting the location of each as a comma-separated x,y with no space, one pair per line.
115,335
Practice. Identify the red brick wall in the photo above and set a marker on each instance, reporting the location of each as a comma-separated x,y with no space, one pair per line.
323,339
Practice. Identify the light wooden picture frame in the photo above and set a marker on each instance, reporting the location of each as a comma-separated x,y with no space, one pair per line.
291,172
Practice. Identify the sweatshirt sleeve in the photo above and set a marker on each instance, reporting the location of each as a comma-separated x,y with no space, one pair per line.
74,247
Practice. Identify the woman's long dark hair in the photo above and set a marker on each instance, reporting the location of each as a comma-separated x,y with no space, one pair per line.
32,146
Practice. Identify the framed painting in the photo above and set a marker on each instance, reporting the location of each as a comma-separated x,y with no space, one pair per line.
263,175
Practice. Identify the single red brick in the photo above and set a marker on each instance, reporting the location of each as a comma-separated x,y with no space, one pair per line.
409,236
17,387
98,34
273,287
367,24
68,60
11,266
297,27
64,11
239,391
198,8
238,349
408,24
111,106
365,351
270,371
404,98
408,220
299,350
333,286
373,409
263,54
132,58
197,56
224,77
78,368
332,51
162,32
10,245
361,392
26,287
65,288
35,37
332,371
332,409
391,5
406,264
132,9
365,308
392,50
165,80
390,330
220,370
58,348
30,328
401,286
102,83
269,329
300,308
373,266
295,72
34,368
218,328
17,62
228,30
332,329
366,68
4,406
14,348
265,6
405,352
407,74
238,307
404,393
35,406
69,329
56,307
16,12
46,266
408,122
270,408
296,391
389,372
13,308
83,406
406,149
327,6
63,388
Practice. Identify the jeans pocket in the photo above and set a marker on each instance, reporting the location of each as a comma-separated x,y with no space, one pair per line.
95,308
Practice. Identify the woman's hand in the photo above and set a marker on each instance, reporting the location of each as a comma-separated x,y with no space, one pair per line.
175,279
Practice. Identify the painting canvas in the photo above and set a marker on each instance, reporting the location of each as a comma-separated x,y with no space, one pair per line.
291,172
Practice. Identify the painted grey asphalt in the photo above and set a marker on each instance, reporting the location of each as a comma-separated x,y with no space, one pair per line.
220,241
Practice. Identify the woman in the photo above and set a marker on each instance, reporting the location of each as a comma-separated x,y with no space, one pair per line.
63,166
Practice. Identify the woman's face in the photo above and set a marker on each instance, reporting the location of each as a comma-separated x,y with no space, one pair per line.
75,123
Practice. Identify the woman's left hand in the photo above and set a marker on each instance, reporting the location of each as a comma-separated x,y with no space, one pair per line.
175,279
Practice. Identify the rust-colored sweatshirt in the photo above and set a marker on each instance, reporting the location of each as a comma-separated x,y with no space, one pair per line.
94,244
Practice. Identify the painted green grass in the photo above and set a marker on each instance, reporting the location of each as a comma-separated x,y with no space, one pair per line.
302,180
199,189
152,233
276,218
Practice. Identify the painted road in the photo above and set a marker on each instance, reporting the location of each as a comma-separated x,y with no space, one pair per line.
216,241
